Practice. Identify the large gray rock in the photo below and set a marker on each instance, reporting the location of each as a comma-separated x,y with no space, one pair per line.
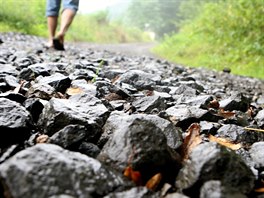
69,136
211,161
47,170
15,123
141,144
235,102
79,109
58,81
118,120
183,116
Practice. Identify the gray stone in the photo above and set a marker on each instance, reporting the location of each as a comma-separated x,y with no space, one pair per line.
260,118
235,102
58,81
113,123
15,123
142,144
202,101
78,109
54,172
211,161
148,103
257,154
42,91
136,192
69,136
8,69
183,116
239,134
139,79
214,189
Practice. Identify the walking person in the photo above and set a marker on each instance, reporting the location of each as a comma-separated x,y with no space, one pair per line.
70,7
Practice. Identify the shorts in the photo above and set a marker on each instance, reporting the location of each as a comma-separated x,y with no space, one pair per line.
53,6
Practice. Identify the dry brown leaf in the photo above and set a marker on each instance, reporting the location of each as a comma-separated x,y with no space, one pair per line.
191,140
154,181
259,190
112,97
135,176
214,104
19,87
226,114
113,81
225,142
74,91
42,139
253,129
250,112
149,93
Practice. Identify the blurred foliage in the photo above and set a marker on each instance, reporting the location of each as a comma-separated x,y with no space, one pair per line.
219,34
29,17
158,16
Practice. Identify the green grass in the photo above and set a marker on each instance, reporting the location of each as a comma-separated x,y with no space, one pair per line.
29,18
226,34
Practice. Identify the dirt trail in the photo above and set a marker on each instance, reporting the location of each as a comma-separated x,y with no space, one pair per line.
130,49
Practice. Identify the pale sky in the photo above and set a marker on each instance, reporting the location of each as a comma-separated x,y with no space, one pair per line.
88,6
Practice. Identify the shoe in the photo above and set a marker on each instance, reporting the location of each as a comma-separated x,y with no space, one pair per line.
58,45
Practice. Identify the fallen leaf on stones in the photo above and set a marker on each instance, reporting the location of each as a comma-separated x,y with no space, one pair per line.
149,93
226,114
115,79
74,91
214,104
259,190
135,176
113,96
154,181
253,129
225,142
250,112
19,87
42,139
191,140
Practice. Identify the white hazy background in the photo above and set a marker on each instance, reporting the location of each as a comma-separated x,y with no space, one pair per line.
89,6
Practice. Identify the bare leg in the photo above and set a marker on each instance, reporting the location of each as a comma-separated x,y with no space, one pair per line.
52,26
66,20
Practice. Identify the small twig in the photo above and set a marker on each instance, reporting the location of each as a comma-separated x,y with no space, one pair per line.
253,129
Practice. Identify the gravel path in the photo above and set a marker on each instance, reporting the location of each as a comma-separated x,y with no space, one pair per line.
131,49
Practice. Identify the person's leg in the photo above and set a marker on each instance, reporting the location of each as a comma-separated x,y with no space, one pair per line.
70,8
52,12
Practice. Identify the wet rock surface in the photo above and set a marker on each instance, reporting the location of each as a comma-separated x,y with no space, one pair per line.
87,123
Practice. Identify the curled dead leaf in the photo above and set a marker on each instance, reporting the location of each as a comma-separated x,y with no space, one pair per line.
226,114
42,139
74,91
19,87
135,176
259,190
225,142
154,181
191,140
214,104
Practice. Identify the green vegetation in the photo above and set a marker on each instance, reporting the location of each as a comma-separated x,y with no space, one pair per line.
158,16
219,34
29,18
